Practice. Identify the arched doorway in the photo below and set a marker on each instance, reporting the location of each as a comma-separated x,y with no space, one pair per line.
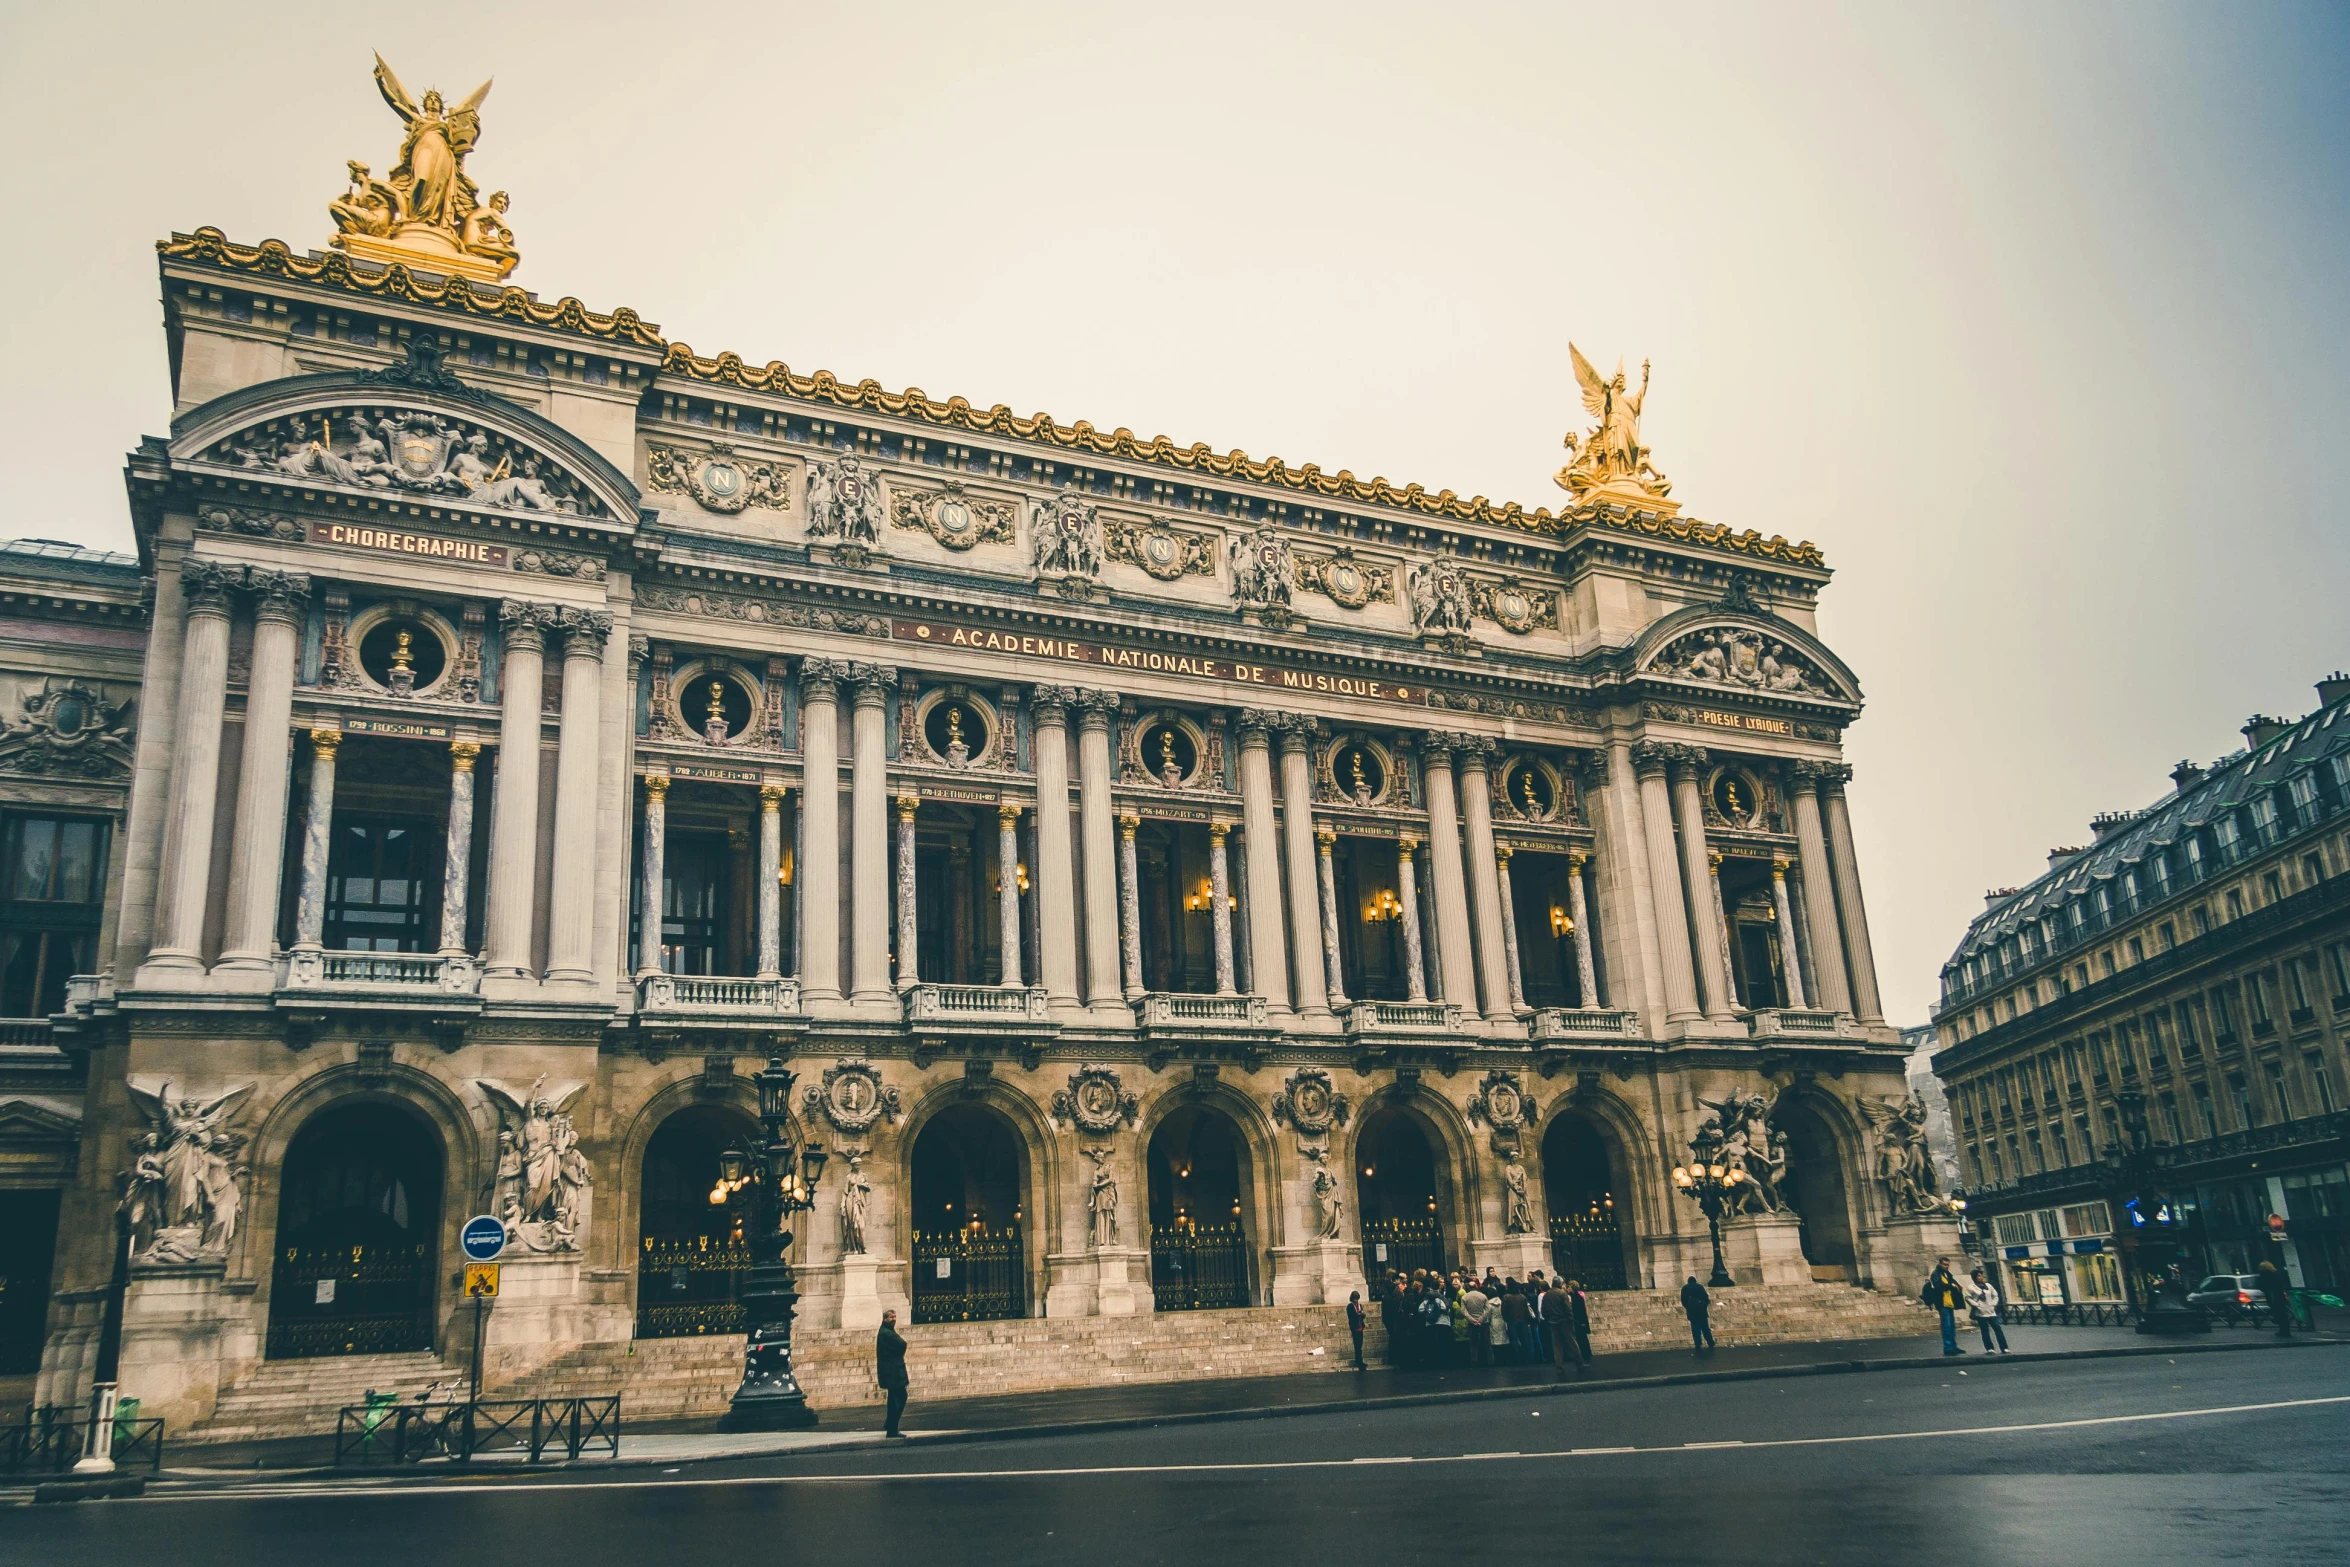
970,1210
358,1235
1583,1182
1395,1188
690,1252
1815,1176
1197,1170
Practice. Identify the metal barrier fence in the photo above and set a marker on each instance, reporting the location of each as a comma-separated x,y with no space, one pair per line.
51,1442
2308,1306
388,1433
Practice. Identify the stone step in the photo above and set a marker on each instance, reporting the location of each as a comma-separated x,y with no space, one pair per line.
302,1397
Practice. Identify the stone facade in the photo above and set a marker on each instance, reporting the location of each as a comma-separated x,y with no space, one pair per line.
1127,845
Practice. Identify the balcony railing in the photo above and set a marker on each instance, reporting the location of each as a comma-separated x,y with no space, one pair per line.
402,973
21,1031
1181,1009
1585,1023
718,995
1798,1023
975,1004
1404,1017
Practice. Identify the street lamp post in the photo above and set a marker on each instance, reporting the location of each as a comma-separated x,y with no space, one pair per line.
1712,1186
768,1186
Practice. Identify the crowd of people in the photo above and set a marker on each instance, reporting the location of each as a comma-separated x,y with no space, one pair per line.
1436,1319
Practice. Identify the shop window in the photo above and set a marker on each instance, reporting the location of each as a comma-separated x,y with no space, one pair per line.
2097,1277
52,887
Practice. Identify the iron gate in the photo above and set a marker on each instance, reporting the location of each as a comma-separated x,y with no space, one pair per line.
961,1276
689,1287
350,1300
1402,1245
1589,1247
1195,1268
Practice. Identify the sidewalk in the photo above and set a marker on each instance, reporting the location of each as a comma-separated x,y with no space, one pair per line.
1142,1404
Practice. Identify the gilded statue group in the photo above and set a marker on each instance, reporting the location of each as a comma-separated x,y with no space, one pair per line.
428,202
1610,457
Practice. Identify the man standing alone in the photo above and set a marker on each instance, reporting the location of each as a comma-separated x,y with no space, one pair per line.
889,1370
1943,1293
1696,1302
1355,1323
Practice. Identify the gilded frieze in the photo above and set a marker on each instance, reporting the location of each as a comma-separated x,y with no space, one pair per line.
718,479
952,515
1345,581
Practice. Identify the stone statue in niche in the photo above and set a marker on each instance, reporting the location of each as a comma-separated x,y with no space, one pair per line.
1101,1201
1438,595
856,1204
1518,1211
1263,570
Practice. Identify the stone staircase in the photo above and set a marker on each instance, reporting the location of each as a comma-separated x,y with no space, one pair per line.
301,1397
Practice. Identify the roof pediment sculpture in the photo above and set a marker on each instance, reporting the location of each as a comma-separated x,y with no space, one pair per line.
1610,463
1741,659
428,213
411,451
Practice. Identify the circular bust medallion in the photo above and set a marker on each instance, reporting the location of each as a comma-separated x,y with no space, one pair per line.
68,715
1734,798
1501,1104
1311,1099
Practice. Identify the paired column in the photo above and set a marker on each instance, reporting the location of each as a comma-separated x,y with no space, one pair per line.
869,899
771,881
1586,972
1475,753
248,938
1649,760
514,810
185,882
1454,961
1268,953
818,872
457,847
1130,906
1862,961
1713,874
909,931
1789,962
1220,909
1407,893
571,900
1007,854
1097,819
1056,870
318,826
1297,842
1325,840
1685,761
1819,889
650,897
1509,930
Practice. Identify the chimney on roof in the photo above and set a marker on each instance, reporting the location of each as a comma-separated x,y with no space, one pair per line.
2186,776
2260,729
2333,688
1995,896
2106,823
2059,858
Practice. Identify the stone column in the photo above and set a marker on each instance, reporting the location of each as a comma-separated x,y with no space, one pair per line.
909,928
514,808
1407,893
1819,890
1713,872
1649,759
1325,840
1689,808
571,896
1623,898
650,912
1130,906
318,827
1789,962
1268,964
1454,960
255,863
1859,958
1509,928
1220,906
818,873
869,890
1297,841
1056,868
457,848
770,881
1475,753
1096,818
1586,972
185,882
1007,853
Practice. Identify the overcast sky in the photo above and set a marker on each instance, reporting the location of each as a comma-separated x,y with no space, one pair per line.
2032,317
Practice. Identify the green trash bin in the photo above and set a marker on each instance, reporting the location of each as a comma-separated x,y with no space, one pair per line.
126,1421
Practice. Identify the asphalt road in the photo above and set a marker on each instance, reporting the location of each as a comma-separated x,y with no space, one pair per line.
2202,1458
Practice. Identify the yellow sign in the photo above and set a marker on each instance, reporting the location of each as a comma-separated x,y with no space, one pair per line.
481,1281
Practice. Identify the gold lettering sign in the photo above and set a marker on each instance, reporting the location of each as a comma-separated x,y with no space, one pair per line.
354,535
385,726
1766,726
1153,661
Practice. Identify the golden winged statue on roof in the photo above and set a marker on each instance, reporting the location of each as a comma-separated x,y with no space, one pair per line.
428,213
1611,456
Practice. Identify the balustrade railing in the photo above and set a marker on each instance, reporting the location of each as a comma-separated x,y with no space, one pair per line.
1585,1023
1796,1022
722,994
945,1003
1418,1017
1175,1009
406,972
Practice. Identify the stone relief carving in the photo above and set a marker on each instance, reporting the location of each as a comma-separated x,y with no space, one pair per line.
1501,1104
1437,593
543,1188
1263,573
184,1190
1514,707
1901,1163
759,612
844,502
1514,607
1309,1103
1095,1101
1345,581
1735,657
213,518
66,729
1739,1137
1101,1200
852,1097
718,479
952,516
1166,553
412,451
559,563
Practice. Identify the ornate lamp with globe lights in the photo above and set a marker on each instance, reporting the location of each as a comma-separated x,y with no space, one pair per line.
767,1186
1714,1188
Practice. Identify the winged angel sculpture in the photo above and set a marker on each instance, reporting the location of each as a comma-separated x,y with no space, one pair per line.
429,200
184,1192
1611,456
1903,1165
544,1186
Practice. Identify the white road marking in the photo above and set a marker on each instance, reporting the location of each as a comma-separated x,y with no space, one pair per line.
559,1488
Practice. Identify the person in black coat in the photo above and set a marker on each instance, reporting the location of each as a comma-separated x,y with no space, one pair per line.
1696,1302
2278,1289
1356,1321
889,1370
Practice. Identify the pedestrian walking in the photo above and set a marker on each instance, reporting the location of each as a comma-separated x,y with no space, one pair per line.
1982,1304
2279,1291
889,1370
1945,1295
1698,1304
1357,1320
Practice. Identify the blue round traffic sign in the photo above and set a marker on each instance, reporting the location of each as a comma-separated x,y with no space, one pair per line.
483,1237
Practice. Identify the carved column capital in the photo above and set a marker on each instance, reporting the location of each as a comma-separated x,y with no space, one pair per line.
1476,752
1094,709
1436,748
1834,776
771,797
639,649
1128,824
463,754
1327,837
1218,831
908,804
206,584
1007,815
1778,867
1297,731
1406,845
1051,704
1575,861
1503,851
525,624
656,786
1804,775
323,742
1649,758
1256,725
585,631
279,595
820,679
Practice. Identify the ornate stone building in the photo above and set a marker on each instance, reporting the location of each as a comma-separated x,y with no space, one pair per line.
2143,1048
1178,880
